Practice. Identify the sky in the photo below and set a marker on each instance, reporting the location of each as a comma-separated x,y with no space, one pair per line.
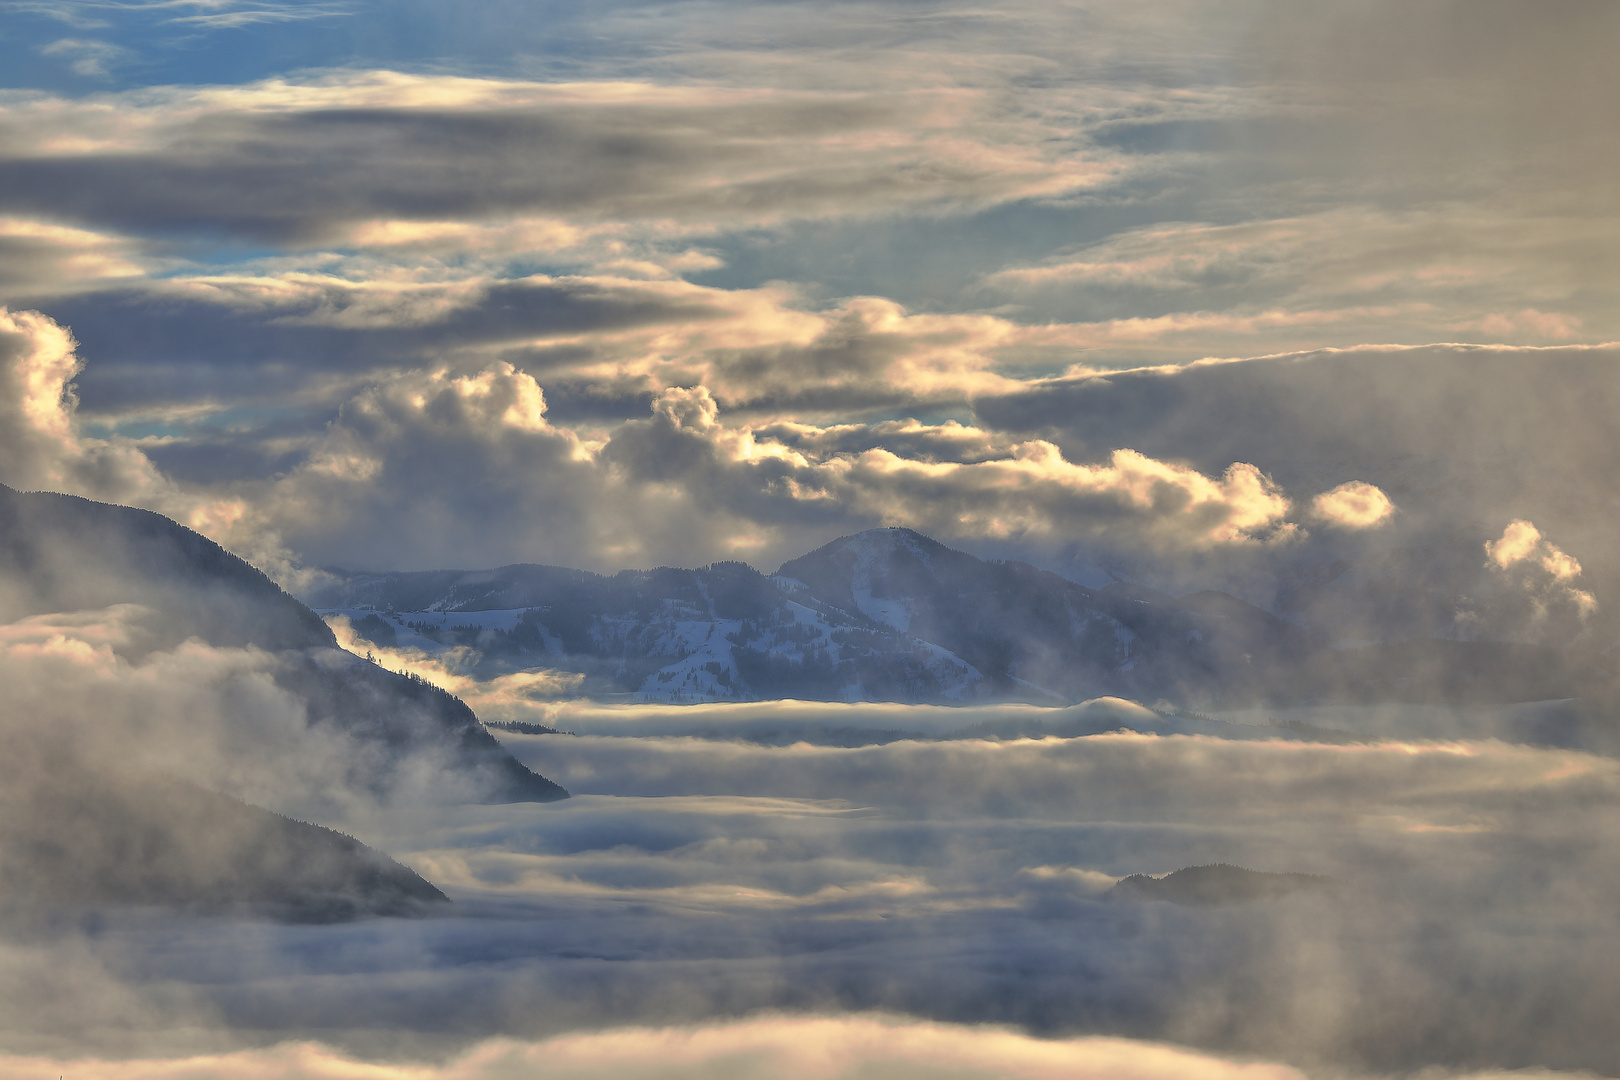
1287,300
1163,289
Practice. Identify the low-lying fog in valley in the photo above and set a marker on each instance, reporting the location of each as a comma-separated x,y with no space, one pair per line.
873,893
711,540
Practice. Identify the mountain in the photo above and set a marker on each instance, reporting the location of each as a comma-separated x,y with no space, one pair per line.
82,836
1217,883
60,553
64,553
1024,628
891,615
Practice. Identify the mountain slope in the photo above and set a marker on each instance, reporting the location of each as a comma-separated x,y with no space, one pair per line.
891,615
61,553
64,553
721,632
1021,626
79,836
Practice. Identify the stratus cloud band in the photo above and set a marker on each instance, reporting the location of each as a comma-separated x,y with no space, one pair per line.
791,1048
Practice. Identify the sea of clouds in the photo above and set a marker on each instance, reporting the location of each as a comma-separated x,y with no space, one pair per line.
720,905
1309,303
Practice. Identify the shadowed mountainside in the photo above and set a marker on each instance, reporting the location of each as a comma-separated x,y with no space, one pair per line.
891,615
81,836
62,553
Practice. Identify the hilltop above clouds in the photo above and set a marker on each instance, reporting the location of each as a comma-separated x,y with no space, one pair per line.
156,685
891,615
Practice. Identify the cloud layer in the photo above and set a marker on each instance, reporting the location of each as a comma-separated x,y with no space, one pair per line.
694,883
1312,306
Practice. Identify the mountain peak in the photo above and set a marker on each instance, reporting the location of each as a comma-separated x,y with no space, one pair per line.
874,543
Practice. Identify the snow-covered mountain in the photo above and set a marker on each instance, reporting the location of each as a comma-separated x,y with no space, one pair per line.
891,615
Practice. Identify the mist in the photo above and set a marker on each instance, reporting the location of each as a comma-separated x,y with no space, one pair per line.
444,449
692,881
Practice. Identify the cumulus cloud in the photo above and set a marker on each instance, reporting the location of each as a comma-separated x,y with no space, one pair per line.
40,444
1521,540
43,445
463,464
1459,438
1546,571
676,486
1353,505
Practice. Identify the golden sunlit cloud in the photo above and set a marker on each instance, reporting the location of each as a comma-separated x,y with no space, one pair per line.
1354,505
788,1048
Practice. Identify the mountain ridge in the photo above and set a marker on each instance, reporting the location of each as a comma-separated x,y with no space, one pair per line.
893,615
65,553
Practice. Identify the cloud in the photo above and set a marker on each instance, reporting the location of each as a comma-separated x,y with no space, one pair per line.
1344,276
516,696
1173,777
1353,505
43,445
92,57
463,464
40,445
413,145
404,451
1521,545
1460,438
701,888
790,1047
728,280
43,258
213,716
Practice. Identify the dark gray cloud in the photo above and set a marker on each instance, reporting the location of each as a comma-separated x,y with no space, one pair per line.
165,348
306,174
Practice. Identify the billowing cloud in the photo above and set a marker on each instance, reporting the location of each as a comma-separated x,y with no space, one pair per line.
1353,505
404,451
1547,572
40,444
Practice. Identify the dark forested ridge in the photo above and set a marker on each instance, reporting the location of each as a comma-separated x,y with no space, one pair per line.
82,836
93,808
63,553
